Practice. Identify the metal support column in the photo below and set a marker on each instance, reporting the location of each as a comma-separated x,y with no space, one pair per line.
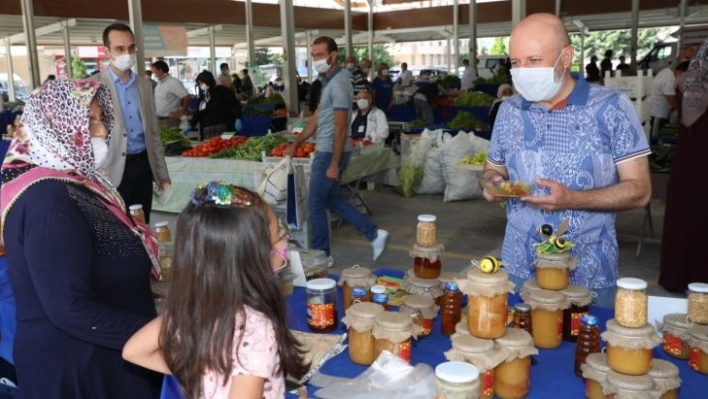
287,23
448,54
135,13
212,51
67,53
31,42
635,30
371,36
10,71
682,22
348,27
558,8
456,34
518,11
473,36
308,38
249,33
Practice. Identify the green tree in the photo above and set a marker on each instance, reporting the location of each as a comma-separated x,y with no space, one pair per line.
78,68
381,54
499,47
263,56
619,41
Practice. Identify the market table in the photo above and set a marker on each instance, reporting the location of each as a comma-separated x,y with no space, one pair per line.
186,173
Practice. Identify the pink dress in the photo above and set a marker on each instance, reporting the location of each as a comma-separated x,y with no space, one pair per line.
257,356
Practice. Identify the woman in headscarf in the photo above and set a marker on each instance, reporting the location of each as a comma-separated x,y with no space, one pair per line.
79,265
504,92
218,108
682,260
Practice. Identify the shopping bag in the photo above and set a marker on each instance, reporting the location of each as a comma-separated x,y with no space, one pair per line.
274,186
170,388
297,197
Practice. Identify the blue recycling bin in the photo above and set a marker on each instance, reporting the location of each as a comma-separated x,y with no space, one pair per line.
255,125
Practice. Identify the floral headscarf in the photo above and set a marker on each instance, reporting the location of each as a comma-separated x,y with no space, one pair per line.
694,86
53,142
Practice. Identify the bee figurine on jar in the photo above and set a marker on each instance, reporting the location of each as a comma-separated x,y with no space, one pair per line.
489,264
553,261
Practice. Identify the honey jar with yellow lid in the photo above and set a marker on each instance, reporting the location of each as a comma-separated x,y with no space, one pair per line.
480,353
629,350
355,276
553,270
422,310
512,377
547,317
595,371
666,379
360,319
487,302
394,332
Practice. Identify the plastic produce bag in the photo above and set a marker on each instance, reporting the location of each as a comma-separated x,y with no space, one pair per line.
461,184
433,182
388,377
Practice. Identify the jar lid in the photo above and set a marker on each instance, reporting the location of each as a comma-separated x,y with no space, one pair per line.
515,337
614,327
663,369
321,284
677,320
530,285
630,283
589,320
699,332
365,310
630,383
394,320
424,282
451,286
355,271
470,344
161,223
419,302
522,307
547,297
379,298
701,288
598,361
378,289
427,218
358,291
422,252
457,372
444,277
135,207
462,327
576,292
479,277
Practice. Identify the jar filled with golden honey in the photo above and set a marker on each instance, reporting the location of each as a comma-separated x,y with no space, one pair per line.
394,332
675,335
630,386
553,270
698,352
423,286
165,249
480,353
666,379
360,319
547,317
487,302
355,276
427,261
629,350
631,302
579,299
322,305
512,377
426,231
422,310
137,212
698,302
595,371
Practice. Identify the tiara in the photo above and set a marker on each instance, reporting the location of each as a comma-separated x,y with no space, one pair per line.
221,194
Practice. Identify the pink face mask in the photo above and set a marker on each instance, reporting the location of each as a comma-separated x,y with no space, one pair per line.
281,253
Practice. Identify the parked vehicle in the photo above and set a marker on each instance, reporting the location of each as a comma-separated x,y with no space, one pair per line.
22,91
665,52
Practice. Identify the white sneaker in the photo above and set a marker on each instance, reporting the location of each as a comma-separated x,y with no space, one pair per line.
330,262
379,243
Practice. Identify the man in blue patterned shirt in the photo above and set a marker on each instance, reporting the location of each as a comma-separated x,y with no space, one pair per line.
581,145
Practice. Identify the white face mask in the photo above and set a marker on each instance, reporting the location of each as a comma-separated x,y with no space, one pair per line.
362,103
204,87
537,84
321,66
365,70
384,72
350,65
504,98
124,62
100,149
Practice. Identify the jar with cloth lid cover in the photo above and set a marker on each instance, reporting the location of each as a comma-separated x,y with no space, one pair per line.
422,310
482,354
487,302
675,335
629,350
355,276
553,270
423,286
394,332
698,352
580,299
360,319
512,377
666,379
630,387
427,261
547,317
595,371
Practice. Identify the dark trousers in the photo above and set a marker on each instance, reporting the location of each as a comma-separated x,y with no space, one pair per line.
136,186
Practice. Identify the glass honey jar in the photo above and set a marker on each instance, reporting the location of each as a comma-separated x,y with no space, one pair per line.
427,261
480,353
487,302
355,276
422,310
547,317
698,352
360,319
553,270
631,302
512,377
666,379
629,350
674,331
456,380
322,305
394,332
580,299
423,286
698,302
595,371
426,231
137,212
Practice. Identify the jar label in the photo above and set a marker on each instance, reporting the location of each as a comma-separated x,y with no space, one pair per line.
560,326
488,383
672,344
693,358
427,326
320,315
404,350
575,323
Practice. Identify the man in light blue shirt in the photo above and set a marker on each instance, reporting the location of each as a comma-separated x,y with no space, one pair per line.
331,123
581,145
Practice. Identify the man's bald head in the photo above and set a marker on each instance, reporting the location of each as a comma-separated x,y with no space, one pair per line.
538,40
543,25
